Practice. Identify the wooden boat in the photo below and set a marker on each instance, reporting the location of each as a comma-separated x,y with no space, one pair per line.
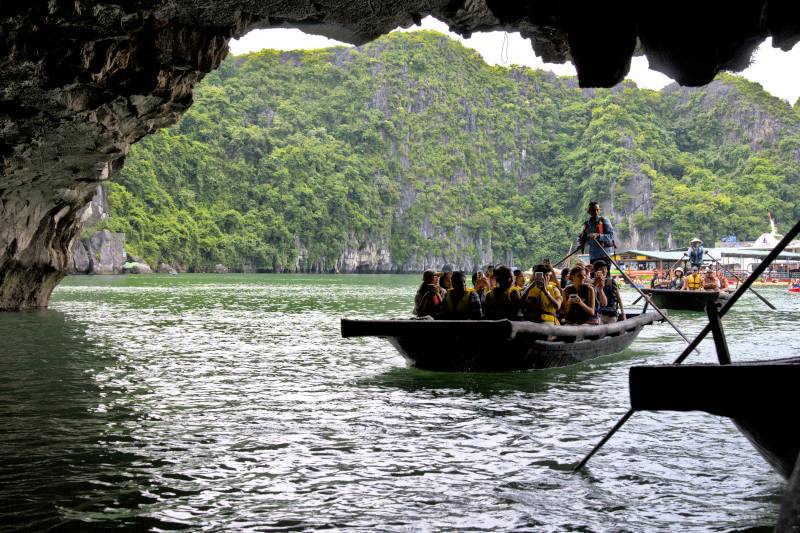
685,300
760,397
498,345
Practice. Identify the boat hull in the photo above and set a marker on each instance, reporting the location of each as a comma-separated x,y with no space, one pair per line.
685,300
759,397
498,346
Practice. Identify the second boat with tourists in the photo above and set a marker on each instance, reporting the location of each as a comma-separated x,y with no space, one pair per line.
498,345
685,300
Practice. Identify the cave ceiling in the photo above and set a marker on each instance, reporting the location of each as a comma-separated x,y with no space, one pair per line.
81,81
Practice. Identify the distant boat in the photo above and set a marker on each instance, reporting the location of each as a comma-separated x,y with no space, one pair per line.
498,345
685,300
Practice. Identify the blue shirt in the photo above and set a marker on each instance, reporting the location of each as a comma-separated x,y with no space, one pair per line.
605,238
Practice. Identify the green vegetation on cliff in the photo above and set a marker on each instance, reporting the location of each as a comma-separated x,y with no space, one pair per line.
413,146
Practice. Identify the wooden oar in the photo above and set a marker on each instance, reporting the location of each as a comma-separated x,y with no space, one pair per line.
700,336
554,265
670,268
739,281
643,295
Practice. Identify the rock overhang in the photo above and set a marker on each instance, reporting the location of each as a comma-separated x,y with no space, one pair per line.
83,80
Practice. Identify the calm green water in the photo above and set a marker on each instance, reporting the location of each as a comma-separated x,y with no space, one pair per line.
231,403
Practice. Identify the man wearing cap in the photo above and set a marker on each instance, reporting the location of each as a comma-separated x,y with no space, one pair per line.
695,253
598,232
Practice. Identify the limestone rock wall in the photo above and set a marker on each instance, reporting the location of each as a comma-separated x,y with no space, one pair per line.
82,80
102,253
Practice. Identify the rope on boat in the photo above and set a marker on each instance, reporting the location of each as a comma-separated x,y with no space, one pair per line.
700,336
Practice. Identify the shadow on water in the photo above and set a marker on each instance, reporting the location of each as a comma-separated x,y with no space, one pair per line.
65,458
499,383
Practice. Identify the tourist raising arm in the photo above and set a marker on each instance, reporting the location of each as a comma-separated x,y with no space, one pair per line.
541,300
428,299
579,300
598,278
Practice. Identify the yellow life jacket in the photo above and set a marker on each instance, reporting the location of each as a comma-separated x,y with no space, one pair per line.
539,304
460,306
499,303
694,282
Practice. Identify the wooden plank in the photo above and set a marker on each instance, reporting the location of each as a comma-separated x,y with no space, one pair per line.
730,390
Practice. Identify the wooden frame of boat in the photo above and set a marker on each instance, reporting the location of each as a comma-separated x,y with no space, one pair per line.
685,300
755,395
759,396
498,345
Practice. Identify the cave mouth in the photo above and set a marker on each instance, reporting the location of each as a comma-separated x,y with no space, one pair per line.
84,82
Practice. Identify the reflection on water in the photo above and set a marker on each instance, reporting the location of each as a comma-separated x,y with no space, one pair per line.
231,403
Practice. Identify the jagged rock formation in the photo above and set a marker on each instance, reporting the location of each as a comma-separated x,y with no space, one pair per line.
102,253
83,80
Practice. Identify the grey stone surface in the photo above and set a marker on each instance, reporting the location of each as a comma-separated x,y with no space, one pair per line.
83,80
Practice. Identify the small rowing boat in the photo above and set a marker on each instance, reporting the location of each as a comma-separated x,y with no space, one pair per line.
498,345
685,300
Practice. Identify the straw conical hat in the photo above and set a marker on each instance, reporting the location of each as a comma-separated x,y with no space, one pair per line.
695,240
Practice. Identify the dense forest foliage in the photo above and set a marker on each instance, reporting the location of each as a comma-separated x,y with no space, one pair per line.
411,151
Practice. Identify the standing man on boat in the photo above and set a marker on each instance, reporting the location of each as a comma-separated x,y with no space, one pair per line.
598,232
696,253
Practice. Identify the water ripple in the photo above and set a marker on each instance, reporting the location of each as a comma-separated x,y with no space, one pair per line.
231,403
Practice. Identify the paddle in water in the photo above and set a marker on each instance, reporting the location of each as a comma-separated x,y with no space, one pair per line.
705,331
739,281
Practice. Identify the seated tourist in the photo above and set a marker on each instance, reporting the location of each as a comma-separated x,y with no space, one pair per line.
429,296
597,279
608,295
519,279
710,281
724,285
579,300
541,300
502,301
489,273
693,282
461,303
677,280
565,277
445,278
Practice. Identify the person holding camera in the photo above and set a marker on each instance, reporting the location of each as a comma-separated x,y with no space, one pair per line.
608,295
429,297
579,300
542,299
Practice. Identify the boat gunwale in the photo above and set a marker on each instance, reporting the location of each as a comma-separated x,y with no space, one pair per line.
509,329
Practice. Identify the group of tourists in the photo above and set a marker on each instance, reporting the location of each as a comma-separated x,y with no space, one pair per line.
708,280
584,294
699,278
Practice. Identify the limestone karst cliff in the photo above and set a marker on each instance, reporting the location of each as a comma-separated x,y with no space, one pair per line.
389,157
84,80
